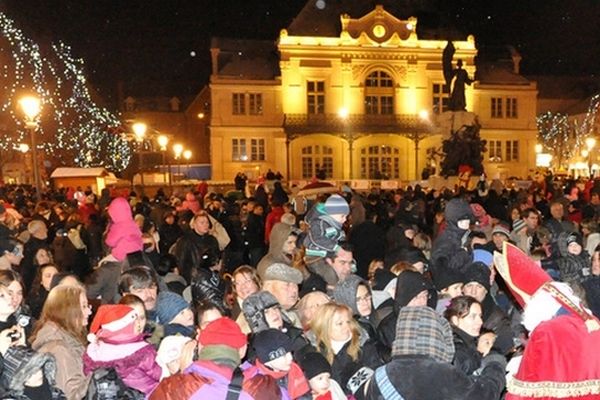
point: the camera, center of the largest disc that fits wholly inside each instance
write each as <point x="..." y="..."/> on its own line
<point x="23" y="320"/>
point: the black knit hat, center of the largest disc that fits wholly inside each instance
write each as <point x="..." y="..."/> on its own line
<point x="446" y="278"/>
<point x="478" y="272"/>
<point x="314" y="364"/>
<point x="271" y="344"/>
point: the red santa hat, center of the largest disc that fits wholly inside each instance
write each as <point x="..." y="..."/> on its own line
<point x="115" y="322"/>
<point x="526" y="277"/>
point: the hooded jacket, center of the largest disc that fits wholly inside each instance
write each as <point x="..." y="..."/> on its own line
<point x="448" y="248"/>
<point x="279" y="235"/>
<point x="345" y="293"/>
<point x="124" y="236"/>
<point x="422" y="352"/>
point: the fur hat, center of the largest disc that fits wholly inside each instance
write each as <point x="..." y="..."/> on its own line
<point x="283" y="272"/>
<point x="254" y="307"/>
<point x="271" y="344"/>
<point x="336" y="204"/>
<point x="113" y="321"/>
<point x="168" y="305"/>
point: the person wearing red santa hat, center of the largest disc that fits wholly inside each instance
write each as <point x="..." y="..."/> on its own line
<point x="117" y="341"/>
<point x="562" y="357"/>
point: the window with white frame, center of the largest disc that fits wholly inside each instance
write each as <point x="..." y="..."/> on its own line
<point x="512" y="150"/>
<point x="238" y="103"/>
<point x="315" y="97"/>
<point x="315" y="159"/>
<point x="380" y="162"/>
<point x="257" y="149"/>
<point x="239" y="151"/>
<point x="494" y="150"/>
<point x="511" y="107"/>
<point x="255" y="105"/>
<point x="440" y="97"/>
<point x="379" y="93"/>
<point x="496" y="107"/>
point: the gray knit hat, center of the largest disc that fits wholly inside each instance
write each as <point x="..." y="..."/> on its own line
<point x="336" y="204"/>
<point x="254" y="307"/>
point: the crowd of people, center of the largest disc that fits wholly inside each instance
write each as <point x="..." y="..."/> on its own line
<point x="406" y="294"/>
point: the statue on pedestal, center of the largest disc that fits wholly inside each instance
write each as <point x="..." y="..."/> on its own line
<point x="459" y="76"/>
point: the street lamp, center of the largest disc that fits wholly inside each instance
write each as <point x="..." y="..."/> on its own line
<point x="31" y="108"/>
<point x="139" y="130"/>
<point x="177" y="150"/>
<point x="187" y="154"/>
<point x="163" y="141"/>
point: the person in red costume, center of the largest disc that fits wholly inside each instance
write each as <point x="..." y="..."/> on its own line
<point x="562" y="357"/>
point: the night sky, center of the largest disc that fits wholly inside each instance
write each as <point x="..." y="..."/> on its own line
<point x="162" y="47"/>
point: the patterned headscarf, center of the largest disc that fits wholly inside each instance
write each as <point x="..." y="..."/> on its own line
<point x="421" y="331"/>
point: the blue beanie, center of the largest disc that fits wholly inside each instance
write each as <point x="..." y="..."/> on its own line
<point x="168" y="305"/>
<point x="336" y="204"/>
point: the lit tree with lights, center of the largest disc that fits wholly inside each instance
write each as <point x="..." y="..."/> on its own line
<point x="73" y="130"/>
<point x="564" y="138"/>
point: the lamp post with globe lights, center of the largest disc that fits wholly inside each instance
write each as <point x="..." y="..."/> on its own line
<point x="177" y="151"/>
<point x="187" y="154"/>
<point x="31" y="107"/>
<point x="163" y="141"/>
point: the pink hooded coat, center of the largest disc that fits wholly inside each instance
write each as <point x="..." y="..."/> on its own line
<point x="124" y="236"/>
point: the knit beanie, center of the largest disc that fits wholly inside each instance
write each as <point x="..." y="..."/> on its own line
<point x="446" y="278"/>
<point x="382" y="278"/>
<point x="484" y="256"/>
<point x="271" y="344"/>
<point x="254" y="307"/>
<point x="223" y="331"/>
<point x="574" y="237"/>
<point x="409" y="285"/>
<point x="478" y="272"/>
<point x="170" y="350"/>
<point x="501" y="229"/>
<point x="168" y="305"/>
<point x="113" y="321"/>
<point x="336" y="204"/>
<point x="518" y="225"/>
<point x="314" y="364"/>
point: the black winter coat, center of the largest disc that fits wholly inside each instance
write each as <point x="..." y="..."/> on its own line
<point x="420" y="377"/>
<point x="466" y="356"/>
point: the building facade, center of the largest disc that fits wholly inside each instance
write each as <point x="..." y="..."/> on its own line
<point x="360" y="97"/>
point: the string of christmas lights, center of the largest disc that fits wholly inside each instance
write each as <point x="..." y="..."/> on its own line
<point x="565" y="138"/>
<point x="71" y="127"/>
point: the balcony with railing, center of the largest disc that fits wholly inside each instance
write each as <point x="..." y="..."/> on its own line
<point x="299" y="124"/>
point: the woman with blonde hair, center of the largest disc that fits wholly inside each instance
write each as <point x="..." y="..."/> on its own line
<point x="61" y="331"/>
<point x="353" y="357"/>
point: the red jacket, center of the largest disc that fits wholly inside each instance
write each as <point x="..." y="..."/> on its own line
<point x="273" y="218"/>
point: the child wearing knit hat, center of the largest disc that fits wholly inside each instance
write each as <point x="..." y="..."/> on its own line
<point x="175" y="314"/>
<point x="274" y="359"/>
<point x="318" y="373"/>
<point x="325" y="226"/>
<point x="117" y="341"/>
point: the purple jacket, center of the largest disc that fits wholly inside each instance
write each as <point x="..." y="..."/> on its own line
<point x="135" y="363"/>
<point x="203" y="380"/>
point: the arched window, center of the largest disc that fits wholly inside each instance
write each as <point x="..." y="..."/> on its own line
<point x="317" y="159"/>
<point x="379" y="93"/>
<point x="380" y="162"/>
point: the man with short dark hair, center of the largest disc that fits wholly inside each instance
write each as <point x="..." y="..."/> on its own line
<point x="140" y="281"/>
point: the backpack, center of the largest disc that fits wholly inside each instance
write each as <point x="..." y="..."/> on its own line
<point x="107" y="385"/>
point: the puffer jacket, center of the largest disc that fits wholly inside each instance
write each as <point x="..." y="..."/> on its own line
<point x="124" y="236"/>
<point x="135" y="363"/>
<point x="68" y="353"/>
<point x="571" y="266"/>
